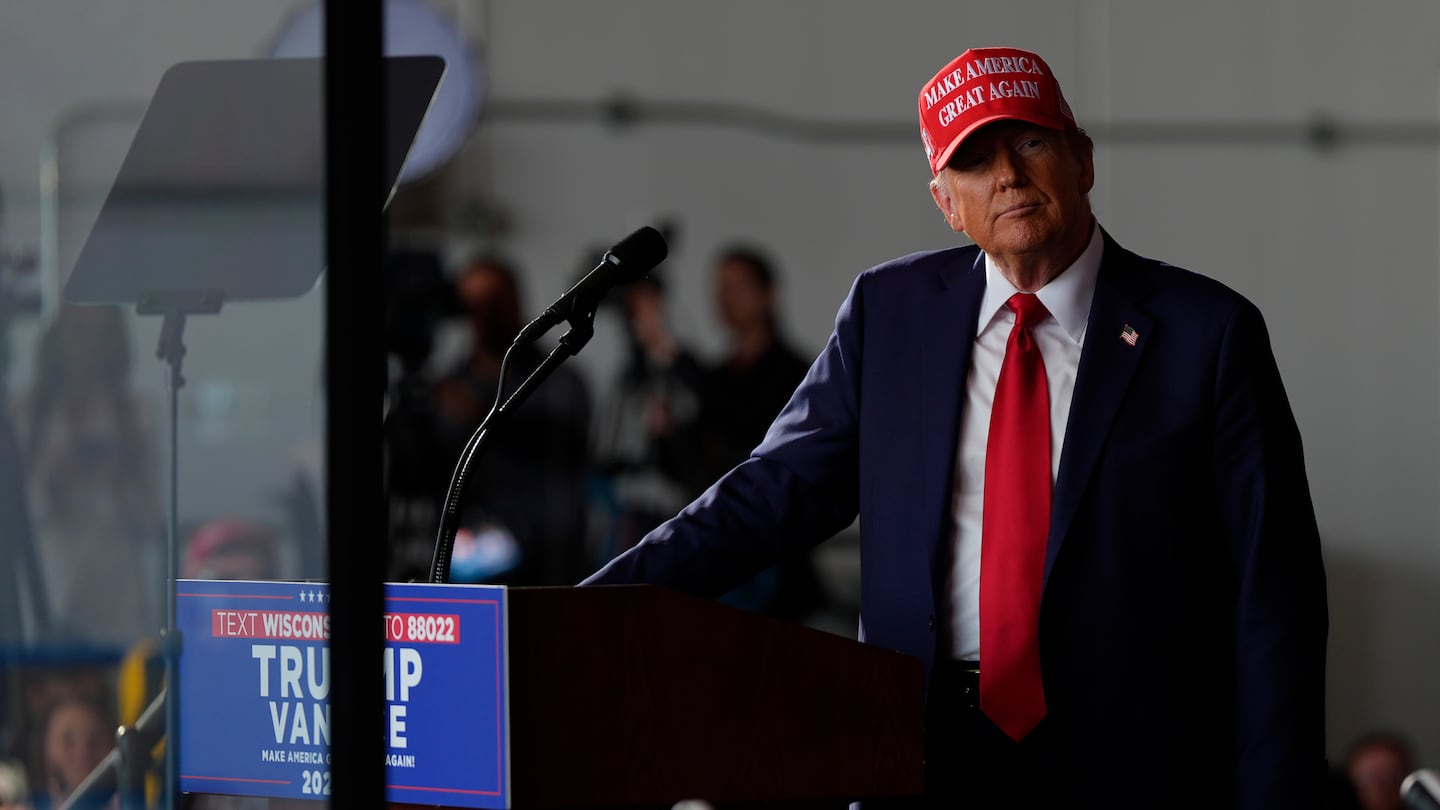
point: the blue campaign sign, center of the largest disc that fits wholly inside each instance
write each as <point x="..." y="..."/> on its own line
<point x="254" y="685"/>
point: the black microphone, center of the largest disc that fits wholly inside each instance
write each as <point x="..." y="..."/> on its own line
<point x="630" y="259"/>
<point x="1421" y="790"/>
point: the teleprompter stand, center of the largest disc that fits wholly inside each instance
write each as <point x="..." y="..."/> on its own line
<point x="220" y="198"/>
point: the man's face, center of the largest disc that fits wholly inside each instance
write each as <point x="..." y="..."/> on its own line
<point x="76" y="739"/>
<point x="742" y="298"/>
<point x="1377" y="773"/>
<point x="490" y="302"/>
<point x="1018" y="190"/>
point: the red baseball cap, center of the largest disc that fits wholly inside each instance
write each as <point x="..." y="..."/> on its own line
<point x="983" y="85"/>
<point x="224" y="535"/>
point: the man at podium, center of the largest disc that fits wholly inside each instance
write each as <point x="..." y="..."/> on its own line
<point x="1081" y="490"/>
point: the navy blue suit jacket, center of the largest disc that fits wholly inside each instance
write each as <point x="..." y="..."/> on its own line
<point x="1183" y="620"/>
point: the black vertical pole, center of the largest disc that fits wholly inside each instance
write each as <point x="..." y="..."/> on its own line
<point x="354" y="401"/>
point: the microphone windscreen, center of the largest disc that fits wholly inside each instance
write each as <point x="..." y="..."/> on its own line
<point x="638" y="253"/>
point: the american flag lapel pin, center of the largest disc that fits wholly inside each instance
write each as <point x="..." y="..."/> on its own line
<point x="1129" y="335"/>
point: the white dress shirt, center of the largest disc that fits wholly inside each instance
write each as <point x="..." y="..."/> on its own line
<point x="1060" y="338"/>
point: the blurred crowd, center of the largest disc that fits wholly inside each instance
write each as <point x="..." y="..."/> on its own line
<point x="577" y="475"/>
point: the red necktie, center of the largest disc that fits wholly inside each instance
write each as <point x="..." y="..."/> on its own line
<point x="1015" y="524"/>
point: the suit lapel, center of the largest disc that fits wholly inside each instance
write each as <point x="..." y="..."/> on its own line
<point x="1107" y="364"/>
<point x="945" y="365"/>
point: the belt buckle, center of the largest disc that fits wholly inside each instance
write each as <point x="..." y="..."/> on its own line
<point x="965" y="675"/>
<point x="970" y="686"/>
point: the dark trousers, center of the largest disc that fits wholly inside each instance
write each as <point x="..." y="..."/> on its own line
<point x="971" y="764"/>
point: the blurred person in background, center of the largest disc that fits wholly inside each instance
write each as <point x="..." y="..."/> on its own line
<point x="739" y="397"/>
<point x="647" y="421"/>
<point x="75" y="736"/>
<point x="34" y="690"/>
<point x="1377" y="764"/>
<point x="92" y="483"/>
<point x="528" y="482"/>
<point x="741" y="394"/>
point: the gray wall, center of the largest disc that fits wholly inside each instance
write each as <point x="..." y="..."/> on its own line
<point x="1338" y="246"/>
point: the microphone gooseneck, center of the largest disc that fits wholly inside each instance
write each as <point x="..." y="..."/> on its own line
<point x="630" y="259"/>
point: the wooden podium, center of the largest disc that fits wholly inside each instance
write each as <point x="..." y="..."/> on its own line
<point x="616" y="696"/>
<point x="637" y="695"/>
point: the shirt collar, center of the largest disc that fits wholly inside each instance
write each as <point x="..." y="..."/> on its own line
<point x="1067" y="296"/>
